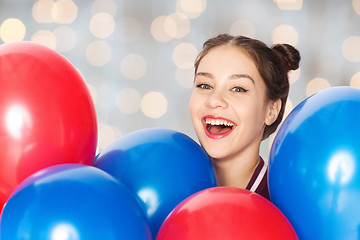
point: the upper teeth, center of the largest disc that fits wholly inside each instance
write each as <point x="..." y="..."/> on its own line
<point x="218" y="122"/>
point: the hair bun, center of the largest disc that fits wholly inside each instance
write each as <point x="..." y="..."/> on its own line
<point x="288" y="54"/>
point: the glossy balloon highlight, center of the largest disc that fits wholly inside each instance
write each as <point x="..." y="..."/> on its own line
<point x="73" y="201"/>
<point x="161" y="166"/>
<point x="47" y="115"/>
<point x="226" y="213"/>
<point x="314" y="168"/>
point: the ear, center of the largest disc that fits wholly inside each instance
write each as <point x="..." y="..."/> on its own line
<point x="273" y="111"/>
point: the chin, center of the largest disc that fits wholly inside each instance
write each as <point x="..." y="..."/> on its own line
<point x="219" y="154"/>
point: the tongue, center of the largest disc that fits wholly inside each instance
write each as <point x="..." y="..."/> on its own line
<point x="216" y="130"/>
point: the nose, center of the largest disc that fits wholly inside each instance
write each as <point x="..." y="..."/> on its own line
<point x="216" y="100"/>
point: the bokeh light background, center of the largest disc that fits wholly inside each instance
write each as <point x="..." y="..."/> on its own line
<point x="137" y="56"/>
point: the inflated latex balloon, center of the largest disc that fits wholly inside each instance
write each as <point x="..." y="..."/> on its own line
<point x="47" y="115"/>
<point x="314" y="168"/>
<point x="161" y="166"/>
<point x="226" y="213"/>
<point x="73" y="201"/>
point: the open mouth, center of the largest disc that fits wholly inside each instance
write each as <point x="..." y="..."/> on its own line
<point x="217" y="127"/>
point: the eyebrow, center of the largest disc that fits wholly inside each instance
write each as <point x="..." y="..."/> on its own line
<point x="205" y="74"/>
<point x="233" y="76"/>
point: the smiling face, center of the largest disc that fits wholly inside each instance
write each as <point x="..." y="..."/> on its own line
<point x="228" y="105"/>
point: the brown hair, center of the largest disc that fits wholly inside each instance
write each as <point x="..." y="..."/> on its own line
<point x="272" y="63"/>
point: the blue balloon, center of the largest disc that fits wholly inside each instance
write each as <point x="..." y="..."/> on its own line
<point x="73" y="201"/>
<point x="161" y="166"/>
<point x="314" y="166"/>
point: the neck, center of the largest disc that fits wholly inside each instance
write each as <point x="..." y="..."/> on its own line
<point x="236" y="171"/>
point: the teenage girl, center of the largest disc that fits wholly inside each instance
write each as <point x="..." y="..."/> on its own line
<point x="238" y="100"/>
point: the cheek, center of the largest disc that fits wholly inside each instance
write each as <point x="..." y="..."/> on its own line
<point x="251" y="112"/>
<point x="194" y="105"/>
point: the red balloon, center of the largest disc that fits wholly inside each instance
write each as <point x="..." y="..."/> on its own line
<point x="226" y="213"/>
<point x="47" y="116"/>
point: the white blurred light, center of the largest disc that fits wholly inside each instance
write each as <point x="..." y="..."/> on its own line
<point x="243" y="27"/>
<point x="107" y="135"/>
<point x="12" y="29"/>
<point x="185" y="77"/>
<point x="154" y="105"/>
<point x="191" y="8"/>
<point x="45" y="37"/>
<point x="170" y="27"/>
<point x="133" y="66"/>
<point x="128" y="100"/>
<point x="41" y="11"/>
<point x="98" y="53"/>
<point x="64" y="11"/>
<point x="356" y="6"/>
<point x="184" y="55"/>
<point x="285" y="34"/>
<point x="65" y="38"/>
<point x="106" y="6"/>
<point x="355" y="80"/>
<point x="289" y="4"/>
<point x="163" y="28"/>
<point x="102" y="25"/>
<point x="351" y="49"/>
<point x="316" y="85"/>
<point x="182" y="25"/>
